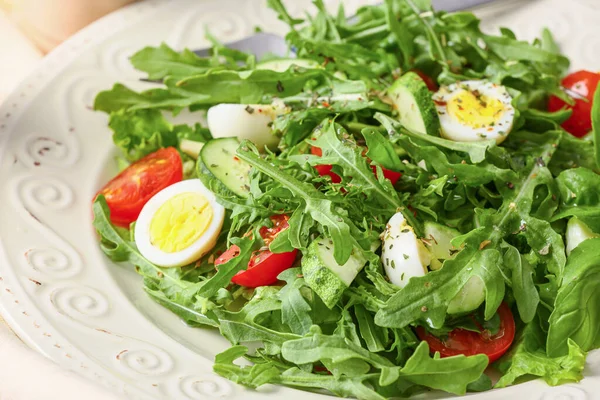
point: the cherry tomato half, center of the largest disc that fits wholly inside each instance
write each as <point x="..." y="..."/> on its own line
<point x="127" y="193"/>
<point x="323" y="170"/>
<point x="264" y="266"/>
<point x="581" y="86"/>
<point x="461" y="341"/>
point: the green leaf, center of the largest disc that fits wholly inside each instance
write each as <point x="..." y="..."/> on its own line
<point x="344" y="387"/>
<point x="162" y="61"/>
<point x="516" y="50"/>
<point x="140" y="133"/>
<point x="227" y="270"/>
<point x="373" y="335"/>
<point x="475" y="150"/>
<point x="524" y="289"/>
<point x="121" y="97"/>
<point x="450" y="374"/>
<point x="380" y="150"/>
<point x="580" y="196"/>
<point x="315" y="203"/>
<point x="323" y="347"/>
<point x="426" y="298"/>
<point x="576" y="314"/>
<point x="295" y="310"/>
<point x="528" y="357"/>
<point x="117" y="248"/>
<point x="401" y="33"/>
<point x="242" y="326"/>
<point x="254" y="376"/>
<point x="226" y="86"/>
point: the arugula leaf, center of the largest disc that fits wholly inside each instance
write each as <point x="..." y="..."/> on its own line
<point x="576" y="314"/>
<point x="580" y="196"/>
<point x="348" y="156"/>
<point x="358" y="386"/>
<point x="162" y="61"/>
<point x="113" y="244"/>
<point x="314" y="202"/>
<point x="226" y="86"/>
<point x="524" y="290"/>
<point x="528" y="357"/>
<point x="317" y="347"/>
<point x="253" y="377"/>
<point x="227" y="270"/>
<point x="380" y="150"/>
<point x="246" y="325"/>
<point x="475" y="150"/>
<point x="451" y="374"/>
<point x="426" y="298"/>
<point x="401" y="33"/>
<point x="121" y="97"/>
<point x="295" y="310"/>
<point x="373" y="335"/>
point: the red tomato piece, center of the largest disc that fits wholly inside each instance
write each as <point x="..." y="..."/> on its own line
<point x="461" y="341"/>
<point x="264" y="266"/>
<point x="127" y="193"/>
<point x="325" y="169"/>
<point x="431" y="85"/>
<point x="581" y="86"/>
<point x="393" y="176"/>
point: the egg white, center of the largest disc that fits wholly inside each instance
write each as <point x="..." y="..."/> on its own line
<point x="453" y="129"/>
<point x="245" y="121"/>
<point x="403" y="254"/>
<point x="198" y="248"/>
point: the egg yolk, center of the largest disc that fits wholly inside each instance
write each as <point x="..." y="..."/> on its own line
<point x="180" y="221"/>
<point x="475" y="110"/>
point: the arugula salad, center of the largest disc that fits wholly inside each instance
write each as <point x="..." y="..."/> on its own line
<point x="405" y="203"/>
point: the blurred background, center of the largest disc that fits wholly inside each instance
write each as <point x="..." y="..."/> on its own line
<point x="31" y="28"/>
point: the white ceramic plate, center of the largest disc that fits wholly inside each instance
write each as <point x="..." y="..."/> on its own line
<point x="57" y="290"/>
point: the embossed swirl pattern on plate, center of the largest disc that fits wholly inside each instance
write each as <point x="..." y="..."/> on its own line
<point x="55" y="258"/>
<point x="76" y="302"/>
<point x="40" y="150"/>
<point x="52" y="262"/>
<point x="145" y="361"/>
<point x="205" y="386"/>
<point x="44" y="193"/>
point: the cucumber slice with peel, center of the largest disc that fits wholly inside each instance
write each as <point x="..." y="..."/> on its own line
<point x="217" y="160"/>
<point x="412" y="100"/>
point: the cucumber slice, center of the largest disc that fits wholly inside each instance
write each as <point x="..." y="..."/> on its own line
<point x="469" y="298"/>
<point x="324" y="275"/>
<point x="283" y="64"/>
<point x="416" y="110"/>
<point x="217" y="159"/>
<point x="438" y="242"/>
<point x="191" y="147"/>
<point x="577" y="232"/>
<point x="439" y="238"/>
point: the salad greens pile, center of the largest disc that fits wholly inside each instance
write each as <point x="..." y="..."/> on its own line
<point x="510" y="202"/>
